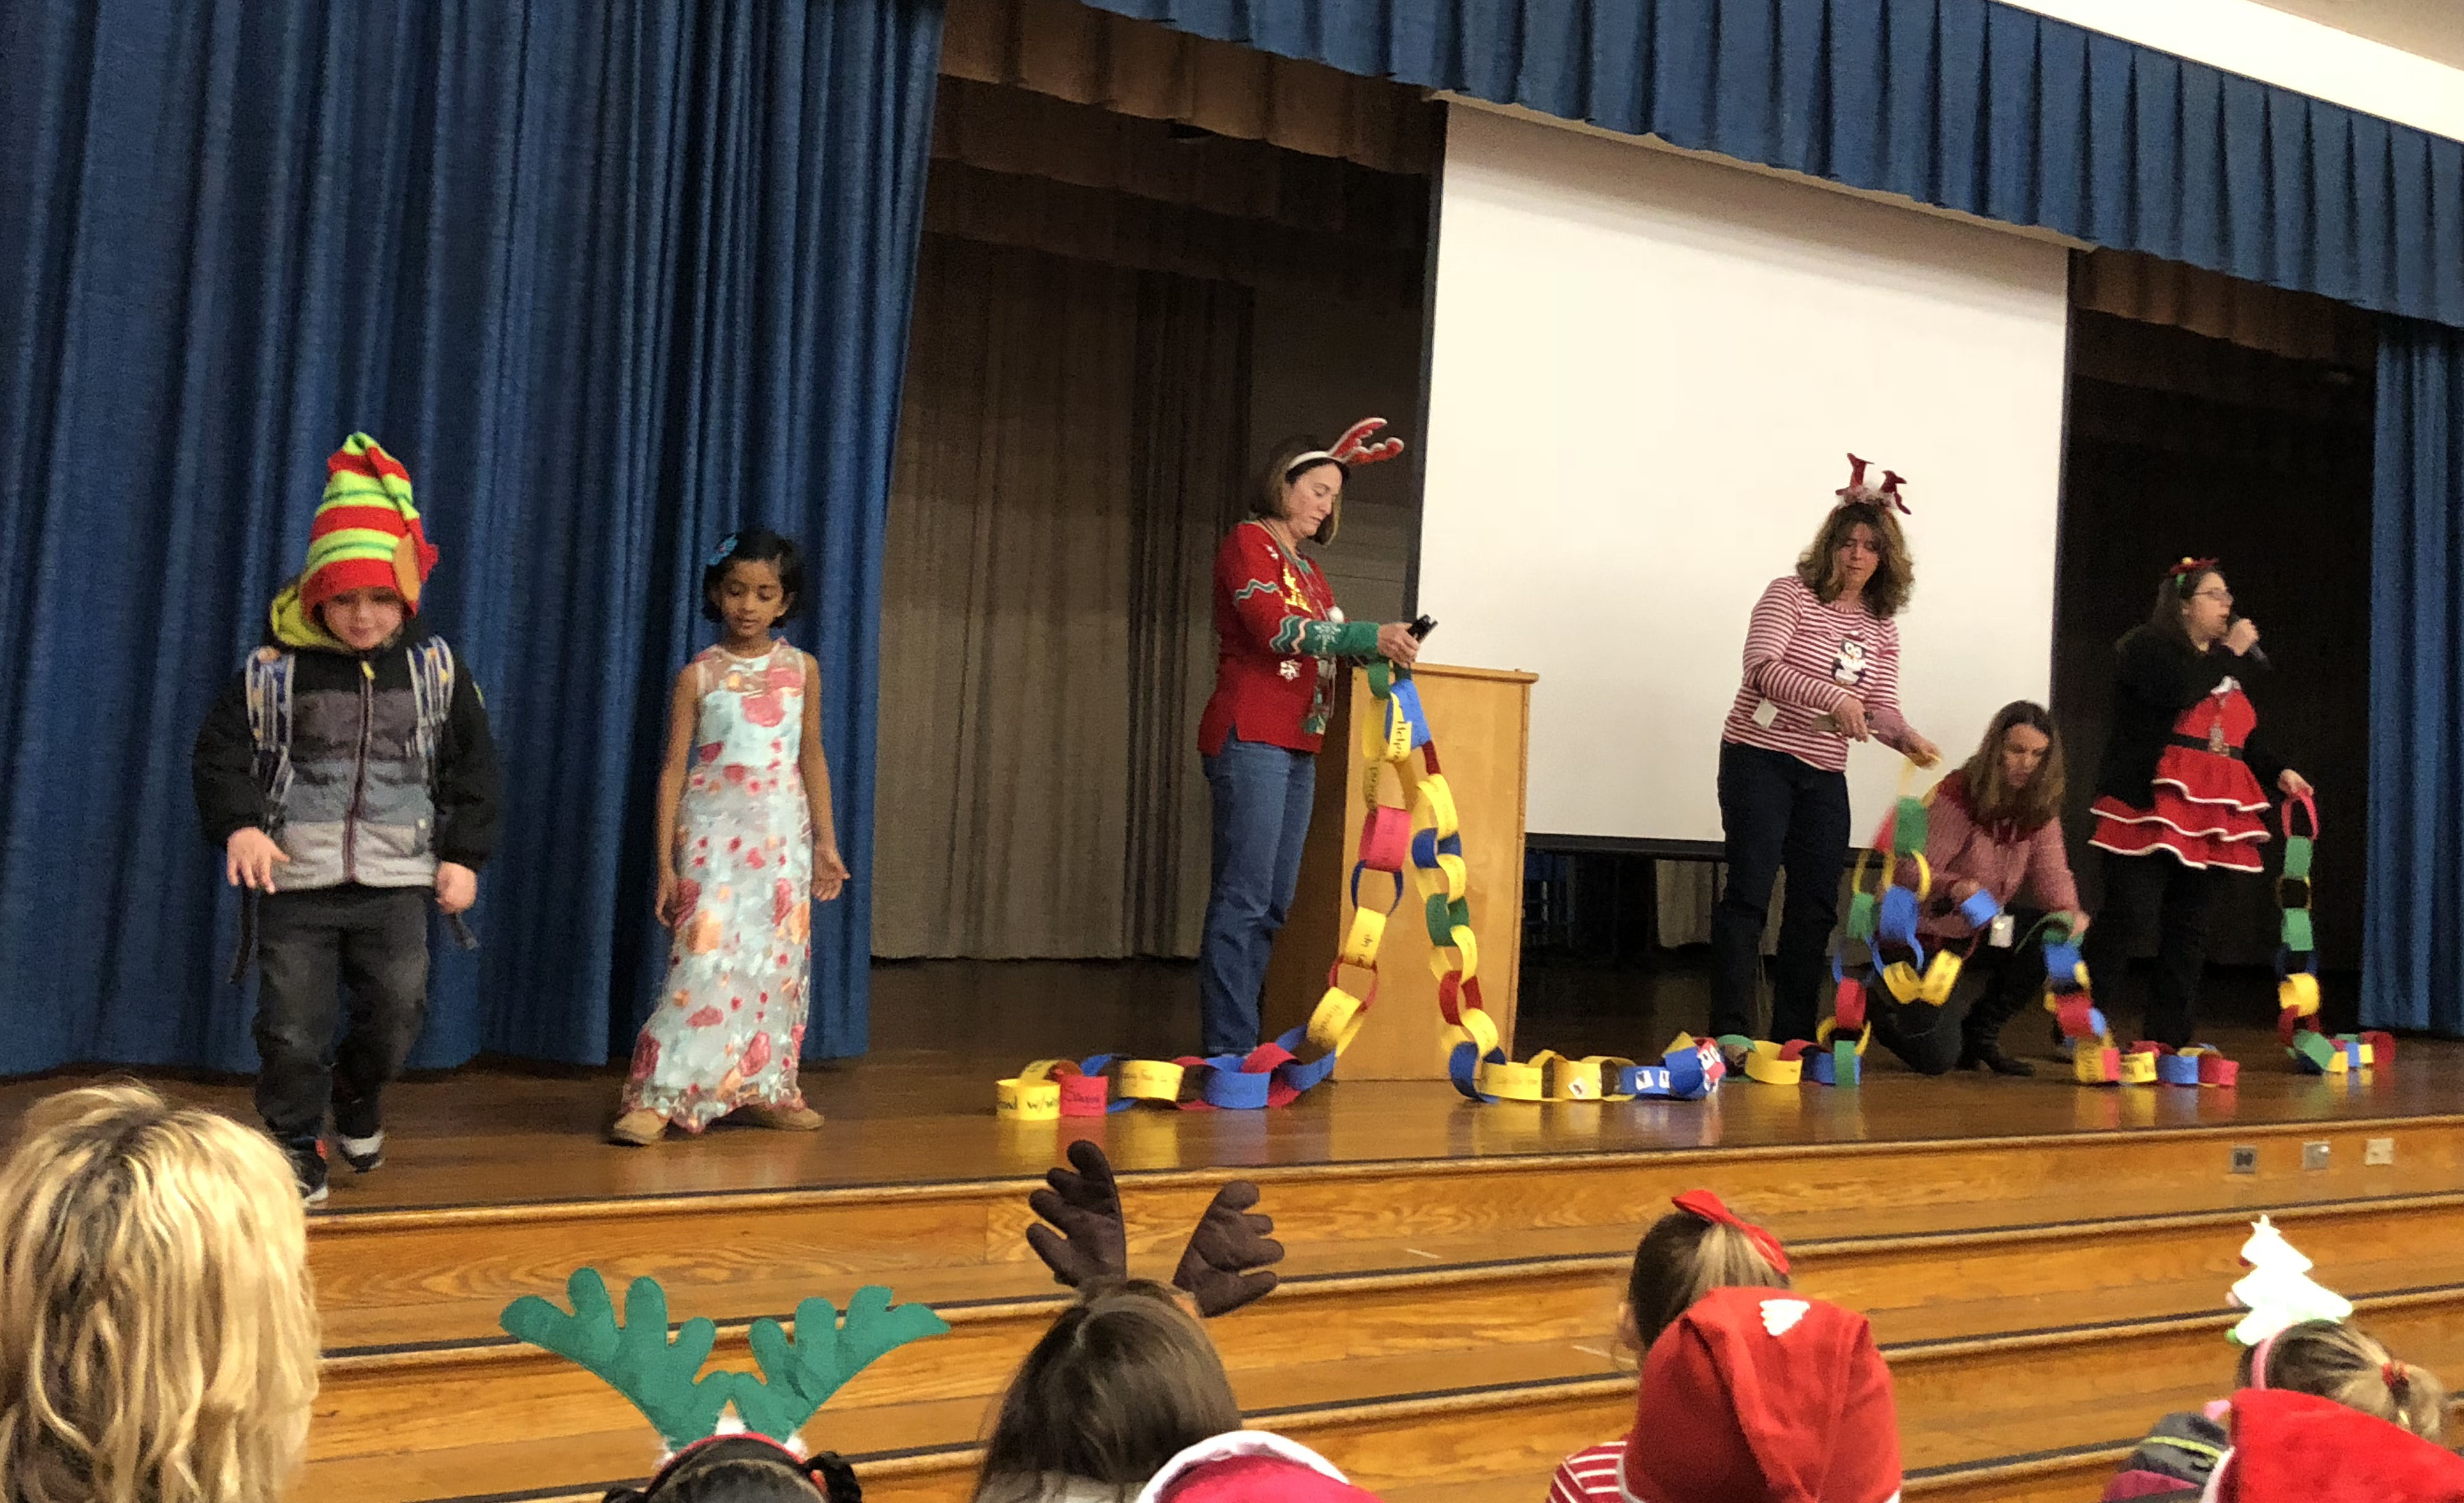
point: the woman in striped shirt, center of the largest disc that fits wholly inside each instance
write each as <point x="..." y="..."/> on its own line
<point x="1822" y="670"/>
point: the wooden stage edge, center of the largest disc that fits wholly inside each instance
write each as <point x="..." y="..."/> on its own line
<point x="919" y="1122"/>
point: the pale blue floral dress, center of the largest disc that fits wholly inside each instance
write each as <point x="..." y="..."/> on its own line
<point x="730" y="1028"/>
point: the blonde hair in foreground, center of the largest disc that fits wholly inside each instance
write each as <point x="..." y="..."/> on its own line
<point x="158" y="1340"/>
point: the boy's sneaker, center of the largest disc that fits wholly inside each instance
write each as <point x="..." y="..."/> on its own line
<point x="361" y="1153"/>
<point x="307" y="1157"/>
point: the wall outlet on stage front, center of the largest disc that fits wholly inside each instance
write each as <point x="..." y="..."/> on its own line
<point x="2245" y="1159"/>
<point x="2378" y="1151"/>
<point x="2314" y="1155"/>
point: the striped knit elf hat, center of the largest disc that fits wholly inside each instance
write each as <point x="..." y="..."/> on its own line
<point x="366" y="535"/>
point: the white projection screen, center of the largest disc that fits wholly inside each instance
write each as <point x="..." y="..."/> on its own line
<point x="1646" y="372"/>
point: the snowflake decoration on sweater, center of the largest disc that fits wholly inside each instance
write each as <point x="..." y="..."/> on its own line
<point x="2278" y="1290"/>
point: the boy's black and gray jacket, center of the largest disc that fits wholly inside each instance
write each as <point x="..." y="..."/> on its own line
<point x="364" y="799"/>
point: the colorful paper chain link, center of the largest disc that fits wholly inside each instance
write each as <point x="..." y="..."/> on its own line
<point x="1884" y="919"/>
<point x="1425" y="831"/>
<point x="2313" y="1051"/>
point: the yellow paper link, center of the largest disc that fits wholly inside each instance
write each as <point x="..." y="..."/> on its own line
<point x="1149" y="1080"/>
<point x="1830" y="1027"/>
<point x="1511" y="1081"/>
<point x="1042" y="1069"/>
<point x="1336" y="1020"/>
<point x="1480" y="1028"/>
<point x="1434" y="808"/>
<point x="2139" y="1069"/>
<point x="1941" y="978"/>
<point x="1431" y="881"/>
<point x="1903" y="981"/>
<point x="1399" y="731"/>
<point x="1924" y="876"/>
<point x="2299" y="994"/>
<point x="1024" y="1101"/>
<point x="1579" y="1079"/>
<point x="1612" y="1068"/>
<point x="1458" y="875"/>
<point x="1368" y="933"/>
<point x="1765" y="1065"/>
<point x="1461" y="957"/>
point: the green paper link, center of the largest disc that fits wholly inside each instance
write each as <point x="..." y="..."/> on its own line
<point x="1861" y="916"/>
<point x="1439" y="920"/>
<point x="2297" y="935"/>
<point x="1909" y="829"/>
<point x="2298" y="851"/>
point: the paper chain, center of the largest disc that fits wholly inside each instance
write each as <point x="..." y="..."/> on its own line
<point x="1423" y="832"/>
<point x="2296" y="966"/>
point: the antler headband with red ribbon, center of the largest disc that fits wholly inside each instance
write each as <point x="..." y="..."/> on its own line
<point x="1887" y="494"/>
<point x="2188" y="572"/>
<point x="1354" y="448"/>
<point x="1710" y="1207"/>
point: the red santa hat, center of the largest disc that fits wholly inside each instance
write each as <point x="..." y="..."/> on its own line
<point x="1250" y="1467"/>
<point x="2296" y="1447"/>
<point x="1758" y="1395"/>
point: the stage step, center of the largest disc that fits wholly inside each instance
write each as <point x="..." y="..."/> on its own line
<point x="401" y="1277"/>
<point x="2127" y="1307"/>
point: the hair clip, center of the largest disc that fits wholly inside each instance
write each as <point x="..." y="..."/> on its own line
<point x="1857" y="492"/>
<point x="2395" y="1375"/>
<point x="719" y="555"/>
<point x="1710" y="1207"/>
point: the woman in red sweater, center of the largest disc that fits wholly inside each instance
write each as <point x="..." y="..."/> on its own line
<point x="1994" y="826"/>
<point x="1822" y="670"/>
<point x="1279" y="637"/>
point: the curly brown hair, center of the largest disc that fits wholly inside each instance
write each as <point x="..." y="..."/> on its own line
<point x="1894" y="576"/>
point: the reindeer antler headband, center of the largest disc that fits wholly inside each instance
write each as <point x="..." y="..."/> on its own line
<point x="2188" y="572"/>
<point x="658" y="1376"/>
<point x="1859" y="490"/>
<point x="1228" y="1262"/>
<point x="1352" y="450"/>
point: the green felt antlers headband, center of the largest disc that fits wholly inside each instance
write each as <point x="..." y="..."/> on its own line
<point x="662" y="1378"/>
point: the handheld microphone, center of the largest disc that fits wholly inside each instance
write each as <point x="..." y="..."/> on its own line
<point x="1421" y="628"/>
<point x="2257" y="655"/>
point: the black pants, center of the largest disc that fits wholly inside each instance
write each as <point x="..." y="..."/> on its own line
<point x="2153" y="890"/>
<point x="1779" y="814"/>
<point x="1999" y="982"/>
<point x="372" y="941"/>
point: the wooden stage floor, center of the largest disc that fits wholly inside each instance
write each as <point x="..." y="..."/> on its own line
<point x="918" y="1111"/>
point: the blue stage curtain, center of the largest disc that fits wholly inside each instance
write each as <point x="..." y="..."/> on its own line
<point x="1963" y="103"/>
<point x="2412" y="926"/>
<point x="612" y="276"/>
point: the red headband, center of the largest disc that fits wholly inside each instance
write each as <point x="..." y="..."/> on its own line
<point x="1887" y="494"/>
<point x="1710" y="1207"/>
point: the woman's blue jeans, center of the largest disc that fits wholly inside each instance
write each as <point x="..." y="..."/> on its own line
<point x="1262" y="797"/>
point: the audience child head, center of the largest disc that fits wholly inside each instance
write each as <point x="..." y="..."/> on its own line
<point x="745" y="1469"/>
<point x="1698" y="1246"/>
<point x="158" y="1337"/>
<point x="1123" y="1382"/>
<point x="1755" y="1396"/>
<point x="2335" y="1360"/>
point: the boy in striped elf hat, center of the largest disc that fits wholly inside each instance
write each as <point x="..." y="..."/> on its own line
<point x="348" y="775"/>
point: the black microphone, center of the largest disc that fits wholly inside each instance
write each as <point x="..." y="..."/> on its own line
<point x="2257" y="655"/>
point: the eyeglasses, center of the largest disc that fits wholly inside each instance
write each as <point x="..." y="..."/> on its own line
<point x="2224" y="595"/>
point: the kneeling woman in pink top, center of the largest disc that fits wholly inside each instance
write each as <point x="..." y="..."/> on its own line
<point x="1996" y="827"/>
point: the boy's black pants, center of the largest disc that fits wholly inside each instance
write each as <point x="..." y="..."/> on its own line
<point x="312" y="946"/>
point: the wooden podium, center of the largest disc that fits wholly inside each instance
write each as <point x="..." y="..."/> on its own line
<point x="1480" y="718"/>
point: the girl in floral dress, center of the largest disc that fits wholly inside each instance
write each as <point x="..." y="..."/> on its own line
<point x="746" y="845"/>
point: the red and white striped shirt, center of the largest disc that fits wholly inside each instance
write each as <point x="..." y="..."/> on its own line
<point x="1803" y="657"/>
<point x="1590" y="1475"/>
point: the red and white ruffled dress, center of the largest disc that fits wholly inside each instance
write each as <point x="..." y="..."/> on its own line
<point x="2207" y="802"/>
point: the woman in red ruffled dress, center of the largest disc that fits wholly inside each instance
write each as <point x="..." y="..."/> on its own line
<point x="2181" y="792"/>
